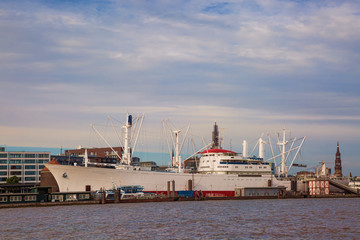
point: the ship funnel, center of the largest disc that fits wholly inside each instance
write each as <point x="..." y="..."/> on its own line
<point x="261" y="148"/>
<point x="245" y="149"/>
<point x="130" y="120"/>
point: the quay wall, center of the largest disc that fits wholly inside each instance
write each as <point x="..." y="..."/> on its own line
<point x="48" y="204"/>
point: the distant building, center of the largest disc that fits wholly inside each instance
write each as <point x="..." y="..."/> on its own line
<point x="95" y="155"/>
<point x="305" y="174"/>
<point x="338" y="169"/>
<point x="149" y="166"/>
<point x="96" y="152"/>
<point x="68" y="160"/>
<point x="191" y="164"/>
<point x="47" y="179"/>
<point x="215" y="138"/>
<point x="26" y="166"/>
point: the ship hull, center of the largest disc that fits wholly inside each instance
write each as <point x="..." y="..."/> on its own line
<point x="76" y="178"/>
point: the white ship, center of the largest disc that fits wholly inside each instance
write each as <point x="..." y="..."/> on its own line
<point x="219" y="173"/>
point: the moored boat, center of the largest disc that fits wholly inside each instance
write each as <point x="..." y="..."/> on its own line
<point x="219" y="172"/>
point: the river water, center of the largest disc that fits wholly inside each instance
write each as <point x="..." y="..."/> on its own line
<point x="337" y="218"/>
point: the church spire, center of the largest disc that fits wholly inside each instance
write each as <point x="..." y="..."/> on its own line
<point x="215" y="137"/>
<point x="338" y="169"/>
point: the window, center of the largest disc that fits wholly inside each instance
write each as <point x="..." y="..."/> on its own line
<point x="3" y="199"/>
<point x="15" y="173"/>
<point x="15" y="155"/>
<point x="14" y="161"/>
<point x="40" y="161"/>
<point x="3" y="167"/>
<point x="3" y="161"/>
<point x="29" y="155"/>
<point x="30" y="173"/>
<point x="30" y="167"/>
<point x="41" y="166"/>
<point x="15" y="198"/>
<point x="15" y="167"/>
<point x="3" y="173"/>
<point x="29" y="161"/>
<point x="30" y="179"/>
<point x="30" y="198"/>
<point x="3" y="155"/>
<point x="71" y="197"/>
<point x="84" y="196"/>
<point x="57" y="198"/>
<point x="43" y="155"/>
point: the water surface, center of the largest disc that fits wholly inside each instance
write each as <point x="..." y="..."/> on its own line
<point x="235" y="219"/>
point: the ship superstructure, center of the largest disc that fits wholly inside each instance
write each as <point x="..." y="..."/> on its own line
<point x="221" y="161"/>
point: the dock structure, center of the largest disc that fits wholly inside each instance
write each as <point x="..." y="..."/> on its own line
<point x="347" y="189"/>
<point x="321" y="186"/>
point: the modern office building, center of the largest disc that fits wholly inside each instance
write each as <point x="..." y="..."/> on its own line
<point x="26" y="166"/>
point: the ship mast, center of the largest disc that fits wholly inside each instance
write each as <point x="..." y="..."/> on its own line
<point x="176" y="160"/>
<point x="127" y="151"/>
<point x="283" y="151"/>
<point x="177" y="153"/>
<point x="261" y="148"/>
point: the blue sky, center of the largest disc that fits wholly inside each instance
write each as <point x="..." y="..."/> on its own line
<point x="253" y="66"/>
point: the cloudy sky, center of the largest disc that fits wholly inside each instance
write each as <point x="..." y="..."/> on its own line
<point x="252" y="66"/>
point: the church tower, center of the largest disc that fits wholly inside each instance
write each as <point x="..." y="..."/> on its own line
<point x="338" y="171"/>
<point x="215" y="137"/>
